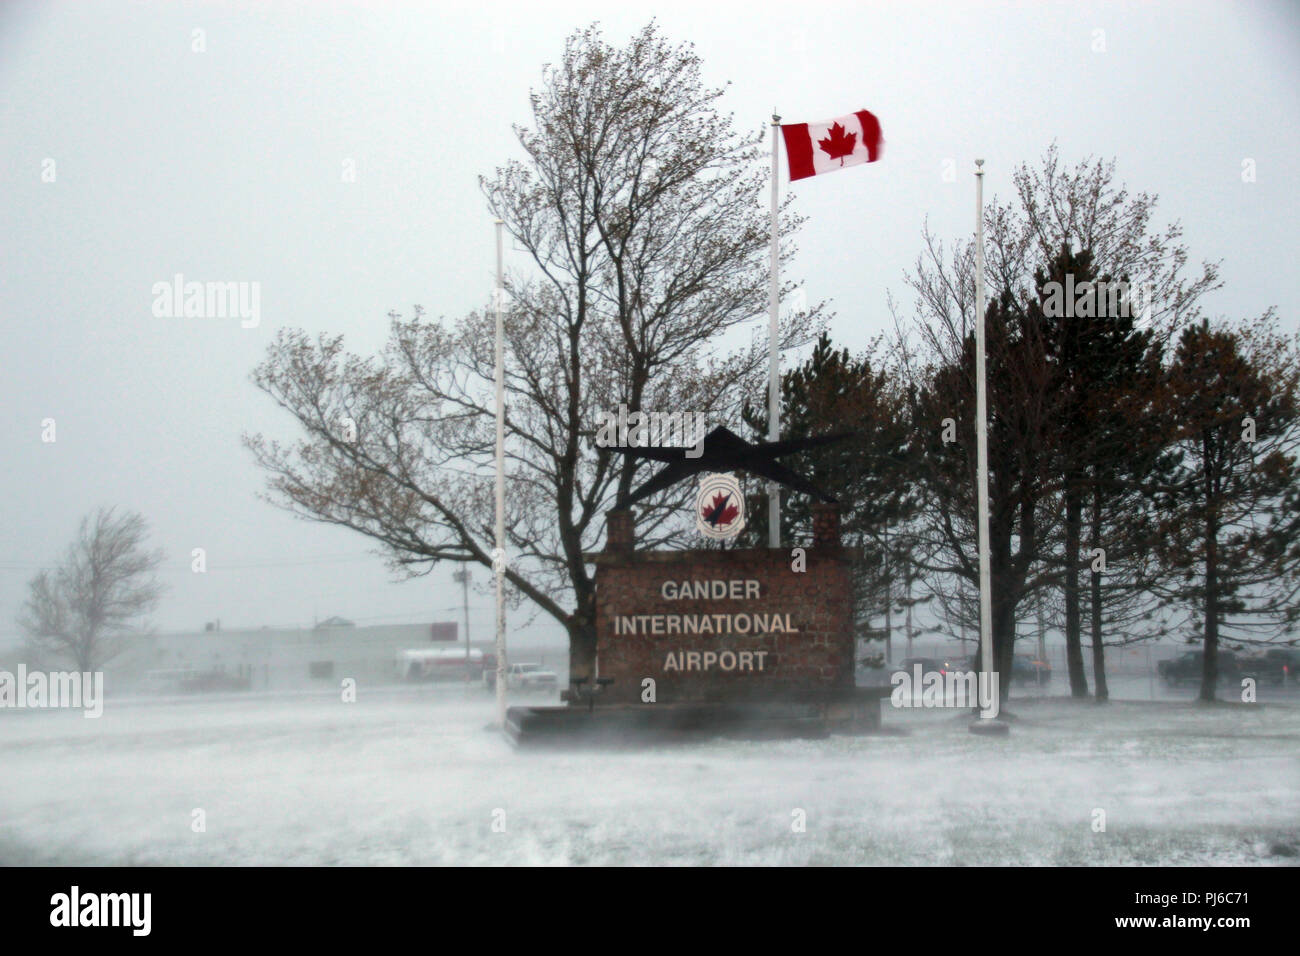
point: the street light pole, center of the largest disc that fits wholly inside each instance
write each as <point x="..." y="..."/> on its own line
<point x="985" y="721"/>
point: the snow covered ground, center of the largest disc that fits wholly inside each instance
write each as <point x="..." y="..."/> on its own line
<point x="414" y="776"/>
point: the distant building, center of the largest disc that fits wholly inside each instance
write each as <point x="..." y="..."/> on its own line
<point x="336" y="622"/>
<point x="275" y="658"/>
<point x="444" y="632"/>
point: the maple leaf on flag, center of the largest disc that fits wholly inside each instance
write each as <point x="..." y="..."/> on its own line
<point x="838" y="145"/>
<point x="719" y="512"/>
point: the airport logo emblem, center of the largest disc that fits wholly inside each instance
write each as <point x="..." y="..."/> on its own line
<point x="719" y="506"/>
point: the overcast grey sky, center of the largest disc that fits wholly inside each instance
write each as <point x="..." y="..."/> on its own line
<point x="226" y="164"/>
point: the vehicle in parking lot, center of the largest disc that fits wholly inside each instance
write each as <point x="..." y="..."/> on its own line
<point x="1277" y="665"/>
<point x="1030" y="670"/>
<point x="1189" y="666"/>
<point x="444" y="663"/>
<point x="524" y="677"/>
<point x="928" y="665"/>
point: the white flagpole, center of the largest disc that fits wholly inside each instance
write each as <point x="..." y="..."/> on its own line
<point x="498" y="559"/>
<point x="774" y="361"/>
<point x="982" y="446"/>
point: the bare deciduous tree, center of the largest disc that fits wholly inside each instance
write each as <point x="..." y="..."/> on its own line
<point x="87" y="607"/>
<point x="641" y="210"/>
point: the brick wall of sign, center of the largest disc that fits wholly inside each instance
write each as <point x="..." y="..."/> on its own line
<point x="773" y="633"/>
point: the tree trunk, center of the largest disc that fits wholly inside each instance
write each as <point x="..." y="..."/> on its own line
<point x="84" y="652"/>
<point x="908" y="598"/>
<point x="1073" y="641"/>
<point x="889" y="623"/>
<point x="1098" y="648"/>
<point x="582" y="639"/>
<point x="1210" y="674"/>
<point x="1004" y="640"/>
<point x="1002" y="607"/>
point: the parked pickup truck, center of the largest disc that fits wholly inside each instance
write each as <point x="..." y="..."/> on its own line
<point x="524" y="677"/>
<point x="1189" y="666"/>
<point x="1277" y="665"/>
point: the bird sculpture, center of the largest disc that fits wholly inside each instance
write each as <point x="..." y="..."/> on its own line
<point x="724" y="450"/>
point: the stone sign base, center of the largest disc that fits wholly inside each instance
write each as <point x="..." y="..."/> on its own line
<point x="633" y="725"/>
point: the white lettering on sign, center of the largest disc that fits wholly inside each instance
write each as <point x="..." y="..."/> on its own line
<point x="742" y="623"/>
<point x="709" y="590"/>
<point x="715" y="660"/>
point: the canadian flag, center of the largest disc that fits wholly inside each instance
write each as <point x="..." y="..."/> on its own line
<point x="814" y="148"/>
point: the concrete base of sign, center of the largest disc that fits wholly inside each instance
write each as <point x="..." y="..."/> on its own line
<point x="618" y="726"/>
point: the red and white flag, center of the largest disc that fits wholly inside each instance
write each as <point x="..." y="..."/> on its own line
<point x="814" y="148"/>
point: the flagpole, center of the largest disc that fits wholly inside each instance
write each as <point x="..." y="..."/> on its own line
<point x="774" y="362"/>
<point x="982" y="453"/>
<point x="498" y="558"/>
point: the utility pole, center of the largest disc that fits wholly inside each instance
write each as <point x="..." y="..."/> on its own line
<point x="462" y="578"/>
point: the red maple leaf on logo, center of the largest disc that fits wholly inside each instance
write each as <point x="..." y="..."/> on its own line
<point x="718" y="512"/>
<point x="838" y="144"/>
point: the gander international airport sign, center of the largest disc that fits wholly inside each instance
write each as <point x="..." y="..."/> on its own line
<point x="723" y="625"/>
<point x="711" y="625"/>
